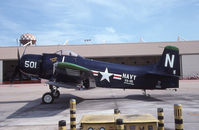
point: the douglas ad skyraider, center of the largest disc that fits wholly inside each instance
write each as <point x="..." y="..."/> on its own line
<point x="63" y="68"/>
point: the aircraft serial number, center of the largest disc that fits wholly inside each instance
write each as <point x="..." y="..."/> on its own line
<point x="30" y="64"/>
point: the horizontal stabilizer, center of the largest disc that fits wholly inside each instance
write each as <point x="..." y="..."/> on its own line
<point x="162" y="74"/>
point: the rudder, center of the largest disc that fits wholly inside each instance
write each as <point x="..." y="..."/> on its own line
<point x="169" y="62"/>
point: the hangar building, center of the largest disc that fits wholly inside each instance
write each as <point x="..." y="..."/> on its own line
<point x="144" y="53"/>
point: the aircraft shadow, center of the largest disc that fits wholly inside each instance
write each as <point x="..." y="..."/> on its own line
<point x="143" y="98"/>
<point x="131" y="97"/>
<point x="7" y="102"/>
<point x="36" y="109"/>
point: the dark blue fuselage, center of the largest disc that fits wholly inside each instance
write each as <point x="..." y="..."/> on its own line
<point x="123" y="76"/>
<point x="105" y="74"/>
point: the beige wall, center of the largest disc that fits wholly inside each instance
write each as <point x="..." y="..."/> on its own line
<point x="106" y="50"/>
<point x="190" y="65"/>
<point x="133" y="60"/>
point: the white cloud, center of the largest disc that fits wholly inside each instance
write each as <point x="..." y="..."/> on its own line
<point x="8" y="24"/>
<point x="139" y="10"/>
<point x="68" y="10"/>
<point x="109" y="35"/>
<point x="112" y="38"/>
<point x="110" y="29"/>
<point x="54" y="22"/>
<point x="57" y="37"/>
<point x="7" y="41"/>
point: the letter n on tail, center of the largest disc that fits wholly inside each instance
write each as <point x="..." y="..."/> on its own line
<point x="169" y="60"/>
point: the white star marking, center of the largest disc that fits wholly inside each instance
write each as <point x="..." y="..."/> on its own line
<point x="105" y="75"/>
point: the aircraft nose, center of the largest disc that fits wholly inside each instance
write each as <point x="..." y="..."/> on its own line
<point x="30" y="64"/>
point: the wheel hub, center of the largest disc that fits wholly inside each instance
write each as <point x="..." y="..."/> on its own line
<point x="47" y="98"/>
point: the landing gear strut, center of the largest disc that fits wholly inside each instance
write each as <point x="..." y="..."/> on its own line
<point x="145" y="94"/>
<point x="49" y="97"/>
<point x="54" y="90"/>
<point x="86" y="83"/>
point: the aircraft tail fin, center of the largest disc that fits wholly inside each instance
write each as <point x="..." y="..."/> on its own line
<point x="169" y="63"/>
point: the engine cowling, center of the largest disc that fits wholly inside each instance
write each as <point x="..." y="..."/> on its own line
<point x="31" y="64"/>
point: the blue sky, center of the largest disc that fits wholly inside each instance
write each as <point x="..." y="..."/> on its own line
<point x="103" y="21"/>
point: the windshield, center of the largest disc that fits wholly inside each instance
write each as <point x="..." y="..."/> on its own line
<point x="67" y="52"/>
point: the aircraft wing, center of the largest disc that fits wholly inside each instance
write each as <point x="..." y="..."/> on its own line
<point x="67" y="65"/>
<point x="60" y="84"/>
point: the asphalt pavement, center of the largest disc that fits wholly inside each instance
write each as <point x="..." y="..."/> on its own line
<point x="21" y="107"/>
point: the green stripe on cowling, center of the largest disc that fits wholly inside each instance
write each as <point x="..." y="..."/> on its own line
<point x="71" y="66"/>
<point x="172" y="48"/>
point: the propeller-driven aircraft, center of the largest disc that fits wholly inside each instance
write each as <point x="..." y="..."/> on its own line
<point x="66" y="67"/>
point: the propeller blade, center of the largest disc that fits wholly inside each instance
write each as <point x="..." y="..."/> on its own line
<point x="14" y="74"/>
<point x="18" y="56"/>
<point x="20" y="76"/>
<point x="17" y="69"/>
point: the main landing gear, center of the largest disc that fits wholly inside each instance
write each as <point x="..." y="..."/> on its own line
<point x="145" y="94"/>
<point x="49" y="97"/>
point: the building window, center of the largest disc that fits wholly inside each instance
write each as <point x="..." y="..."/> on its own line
<point x="90" y="128"/>
<point x="141" y="127"/>
<point x="102" y="128"/>
<point x="132" y="127"/>
<point x="150" y="127"/>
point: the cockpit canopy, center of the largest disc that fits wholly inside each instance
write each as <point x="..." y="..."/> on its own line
<point x="67" y="52"/>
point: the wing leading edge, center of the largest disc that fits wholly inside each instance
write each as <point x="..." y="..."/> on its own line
<point x="67" y="65"/>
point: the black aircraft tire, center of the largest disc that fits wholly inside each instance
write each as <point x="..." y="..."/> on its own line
<point x="47" y="98"/>
<point x="56" y="94"/>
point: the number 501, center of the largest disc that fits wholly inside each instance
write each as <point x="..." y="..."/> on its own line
<point x="30" y="64"/>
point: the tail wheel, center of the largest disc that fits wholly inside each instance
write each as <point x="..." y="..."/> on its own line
<point x="47" y="98"/>
<point x="56" y="93"/>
